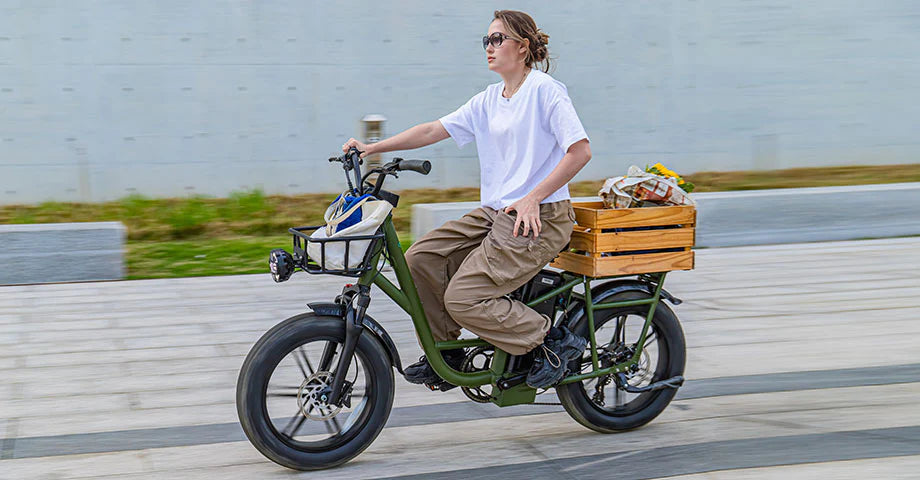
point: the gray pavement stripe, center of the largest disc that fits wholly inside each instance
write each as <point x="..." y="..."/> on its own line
<point x="790" y="381"/>
<point x="138" y="439"/>
<point x="708" y="456"/>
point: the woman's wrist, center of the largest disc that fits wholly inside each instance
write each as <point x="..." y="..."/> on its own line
<point x="371" y="148"/>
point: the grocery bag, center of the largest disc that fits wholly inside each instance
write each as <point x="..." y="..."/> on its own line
<point x="347" y="216"/>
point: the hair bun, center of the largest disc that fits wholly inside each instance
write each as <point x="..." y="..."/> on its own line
<point x="542" y="37"/>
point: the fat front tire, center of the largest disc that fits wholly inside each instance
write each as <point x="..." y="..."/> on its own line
<point x="295" y="359"/>
<point x="597" y="403"/>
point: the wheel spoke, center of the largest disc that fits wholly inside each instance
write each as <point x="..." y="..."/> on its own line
<point x="306" y="360"/>
<point x="335" y="422"/>
<point x="297" y="422"/>
<point x="284" y="392"/>
<point x="329" y="352"/>
<point x="618" y="332"/>
<point x="648" y="340"/>
<point x="300" y="364"/>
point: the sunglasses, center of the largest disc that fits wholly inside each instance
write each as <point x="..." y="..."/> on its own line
<point x="495" y="39"/>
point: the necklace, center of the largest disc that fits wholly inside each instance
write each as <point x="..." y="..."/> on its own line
<point x="518" y="85"/>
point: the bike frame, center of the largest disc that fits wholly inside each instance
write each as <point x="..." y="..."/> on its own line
<point x="406" y="296"/>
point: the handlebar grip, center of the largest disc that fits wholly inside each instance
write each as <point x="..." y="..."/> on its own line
<point x="420" y="166"/>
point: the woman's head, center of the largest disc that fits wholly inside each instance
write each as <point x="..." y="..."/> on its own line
<point x="514" y="41"/>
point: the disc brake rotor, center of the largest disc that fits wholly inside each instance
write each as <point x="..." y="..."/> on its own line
<point x="309" y="398"/>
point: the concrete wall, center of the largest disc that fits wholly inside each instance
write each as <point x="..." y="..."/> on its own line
<point x="764" y="217"/>
<point x="62" y="252"/>
<point x="101" y="99"/>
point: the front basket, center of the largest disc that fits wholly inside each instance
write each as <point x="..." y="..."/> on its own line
<point x="318" y="265"/>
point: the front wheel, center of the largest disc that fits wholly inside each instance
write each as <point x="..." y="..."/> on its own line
<point x="598" y="403"/>
<point x="276" y="394"/>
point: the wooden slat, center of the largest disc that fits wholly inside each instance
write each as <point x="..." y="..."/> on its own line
<point x="593" y="215"/>
<point x="570" y="262"/>
<point x="630" y="241"/>
<point x="625" y="264"/>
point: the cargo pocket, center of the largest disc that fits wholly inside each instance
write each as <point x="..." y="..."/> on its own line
<point x="557" y="230"/>
<point x="512" y="259"/>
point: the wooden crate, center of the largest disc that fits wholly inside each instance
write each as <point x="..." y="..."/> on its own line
<point x="629" y="250"/>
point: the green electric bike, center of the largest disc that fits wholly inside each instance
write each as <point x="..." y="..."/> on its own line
<point x="317" y="389"/>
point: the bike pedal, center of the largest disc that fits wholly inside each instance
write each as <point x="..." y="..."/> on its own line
<point x="441" y="386"/>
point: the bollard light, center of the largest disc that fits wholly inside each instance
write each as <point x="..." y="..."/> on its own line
<point x="373" y="133"/>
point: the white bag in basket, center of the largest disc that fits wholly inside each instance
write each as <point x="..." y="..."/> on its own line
<point x="372" y="214"/>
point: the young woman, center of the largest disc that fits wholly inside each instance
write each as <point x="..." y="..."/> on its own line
<point x="530" y="144"/>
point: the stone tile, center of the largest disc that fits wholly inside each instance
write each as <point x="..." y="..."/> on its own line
<point x="57" y="372"/>
<point x="74" y="466"/>
<point x="889" y="468"/>
<point x="7" y="340"/>
<point x="211" y="338"/>
<point x="62" y="407"/>
<point x="118" y="333"/>
<point x="803" y="355"/>
<point x="189" y="365"/>
<point x="59" y="347"/>
<point x="9" y="318"/>
<point x="119" y="356"/>
<point x="123" y="384"/>
<point x="8" y="391"/>
<point x="188" y="397"/>
<point x="63" y="326"/>
<point x="128" y="420"/>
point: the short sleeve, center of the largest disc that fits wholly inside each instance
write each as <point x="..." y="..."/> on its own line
<point x="563" y="121"/>
<point x="460" y="123"/>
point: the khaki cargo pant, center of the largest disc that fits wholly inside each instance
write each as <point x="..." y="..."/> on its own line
<point x="464" y="269"/>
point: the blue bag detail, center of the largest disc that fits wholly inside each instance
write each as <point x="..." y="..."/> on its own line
<point x="355" y="217"/>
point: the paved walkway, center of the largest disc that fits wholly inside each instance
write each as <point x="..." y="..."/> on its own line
<point x="803" y="360"/>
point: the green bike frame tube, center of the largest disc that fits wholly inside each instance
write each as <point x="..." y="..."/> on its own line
<point x="624" y="366"/>
<point x="406" y="296"/>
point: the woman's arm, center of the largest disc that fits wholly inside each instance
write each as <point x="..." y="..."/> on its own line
<point x="421" y="135"/>
<point x="528" y="208"/>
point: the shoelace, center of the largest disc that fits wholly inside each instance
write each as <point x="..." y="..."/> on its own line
<point x="547" y="353"/>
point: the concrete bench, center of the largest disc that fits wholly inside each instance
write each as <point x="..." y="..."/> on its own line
<point x="761" y="217"/>
<point x="61" y="252"/>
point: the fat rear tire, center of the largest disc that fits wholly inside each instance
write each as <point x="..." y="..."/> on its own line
<point x="670" y="345"/>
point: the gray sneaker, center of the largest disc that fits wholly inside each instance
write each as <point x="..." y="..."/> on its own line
<point x="421" y="372"/>
<point x="552" y="358"/>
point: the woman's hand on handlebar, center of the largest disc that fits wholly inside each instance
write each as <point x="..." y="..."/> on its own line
<point x="362" y="147"/>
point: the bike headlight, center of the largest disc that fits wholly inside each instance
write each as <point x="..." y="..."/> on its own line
<point x="281" y="264"/>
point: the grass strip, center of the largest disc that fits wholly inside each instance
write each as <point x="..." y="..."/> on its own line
<point x="196" y="236"/>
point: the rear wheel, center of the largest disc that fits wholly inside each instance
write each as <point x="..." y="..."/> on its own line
<point x="598" y="403"/>
<point x="278" y="399"/>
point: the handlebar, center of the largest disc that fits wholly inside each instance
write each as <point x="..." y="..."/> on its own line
<point x="420" y="166"/>
<point x="351" y="161"/>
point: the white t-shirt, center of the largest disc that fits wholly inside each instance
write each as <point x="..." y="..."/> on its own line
<point x="520" y="140"/>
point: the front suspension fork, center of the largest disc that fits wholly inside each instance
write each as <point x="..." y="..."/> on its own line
<point x="356" y="299"/>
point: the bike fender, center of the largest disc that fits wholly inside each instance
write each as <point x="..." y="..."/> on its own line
<point x="369" y="324"/>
